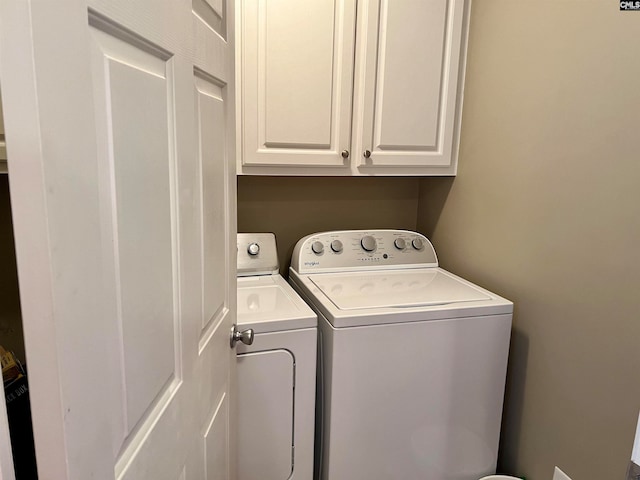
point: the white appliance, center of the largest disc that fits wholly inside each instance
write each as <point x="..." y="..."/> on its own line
<point x="413" y="358"/>
<point x="277" y="372"/>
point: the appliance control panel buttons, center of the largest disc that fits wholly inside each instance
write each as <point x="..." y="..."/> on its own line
<point x="362" y="250"/>
<point x="256" y="254"/>
<point x="253" y="249"/>
<point x="336" y="246"/>
<point x="317" y="247"/>
<point x="368" y="243"/>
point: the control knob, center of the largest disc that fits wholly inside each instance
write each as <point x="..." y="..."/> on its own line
<point x="336" y="246"/>
<point x="400" y="243"/>
<point x="253" y="249"/>
<point x="368" y="243"/>
<point x="417" y="243"/>
<point x="317" y="247"/>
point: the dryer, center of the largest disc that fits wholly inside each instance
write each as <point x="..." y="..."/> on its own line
<point x="277" y="372"/>
<point x="413" y="358"/>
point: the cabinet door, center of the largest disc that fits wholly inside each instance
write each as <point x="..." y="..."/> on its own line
<point x="406" y="111"/>
<point x="296" y="78"/>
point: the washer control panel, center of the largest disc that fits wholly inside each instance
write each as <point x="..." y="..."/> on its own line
<point x="257" y="254"/>
<point x="347" y="250"/>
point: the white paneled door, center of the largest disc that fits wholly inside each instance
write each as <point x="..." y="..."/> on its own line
<point x="120" y="125"/>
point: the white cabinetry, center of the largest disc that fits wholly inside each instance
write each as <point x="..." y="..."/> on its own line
<point x="328" y="91"/>
<point x="297" y="80"/>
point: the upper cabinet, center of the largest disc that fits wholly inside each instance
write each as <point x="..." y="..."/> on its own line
<point x="346" y="87"/>
<point x="406" y="85"/>
<point x="297" y="81"/>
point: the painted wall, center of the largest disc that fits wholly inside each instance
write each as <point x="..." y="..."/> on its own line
<point x="292" y="207"/>
<point x="545" y="210"/>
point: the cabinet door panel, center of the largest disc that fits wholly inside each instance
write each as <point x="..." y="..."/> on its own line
<point x="297" y="71"/>
<point x="407" y="82"/>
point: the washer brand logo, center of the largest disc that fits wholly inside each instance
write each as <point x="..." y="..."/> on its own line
<point x="629" y="5"/>
<point x="311" y="264"/>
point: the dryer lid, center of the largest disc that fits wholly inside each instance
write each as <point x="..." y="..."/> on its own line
<point x="395" y="289"/>
<point x="269" y="304"/>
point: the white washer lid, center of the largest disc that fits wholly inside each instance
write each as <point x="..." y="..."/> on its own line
<point x="268" y="304"/>
<point x="389" y="289"/>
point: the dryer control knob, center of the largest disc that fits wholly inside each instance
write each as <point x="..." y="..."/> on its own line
<point x="336" y="246"/>
<point x="253" y="249"/>
<point x="317" y="247"/>
<point x="368" y="243"/>
<point x="400" y="243"/>
<point x="417" y="243"/>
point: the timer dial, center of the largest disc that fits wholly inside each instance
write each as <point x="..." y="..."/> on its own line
<point x="253" y="249"/>
<point x="368" y="243"/>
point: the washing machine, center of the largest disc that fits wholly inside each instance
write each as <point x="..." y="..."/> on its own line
<point x="277" y="372"/>
<point x="413" y="358"/>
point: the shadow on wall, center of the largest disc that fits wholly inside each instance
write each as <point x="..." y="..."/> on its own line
<point x="293" y="207"/>
<point x="438" y="190"/>
<point x="513" y="401"/>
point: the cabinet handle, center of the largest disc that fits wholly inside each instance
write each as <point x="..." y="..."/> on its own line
<point x="367" y="153"/>
<point x="345" y="153"/>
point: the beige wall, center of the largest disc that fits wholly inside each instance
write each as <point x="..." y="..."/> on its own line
<point x="546" y="211"/>
<point x="10" y="318"/>
<point x="292" y="207"/>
